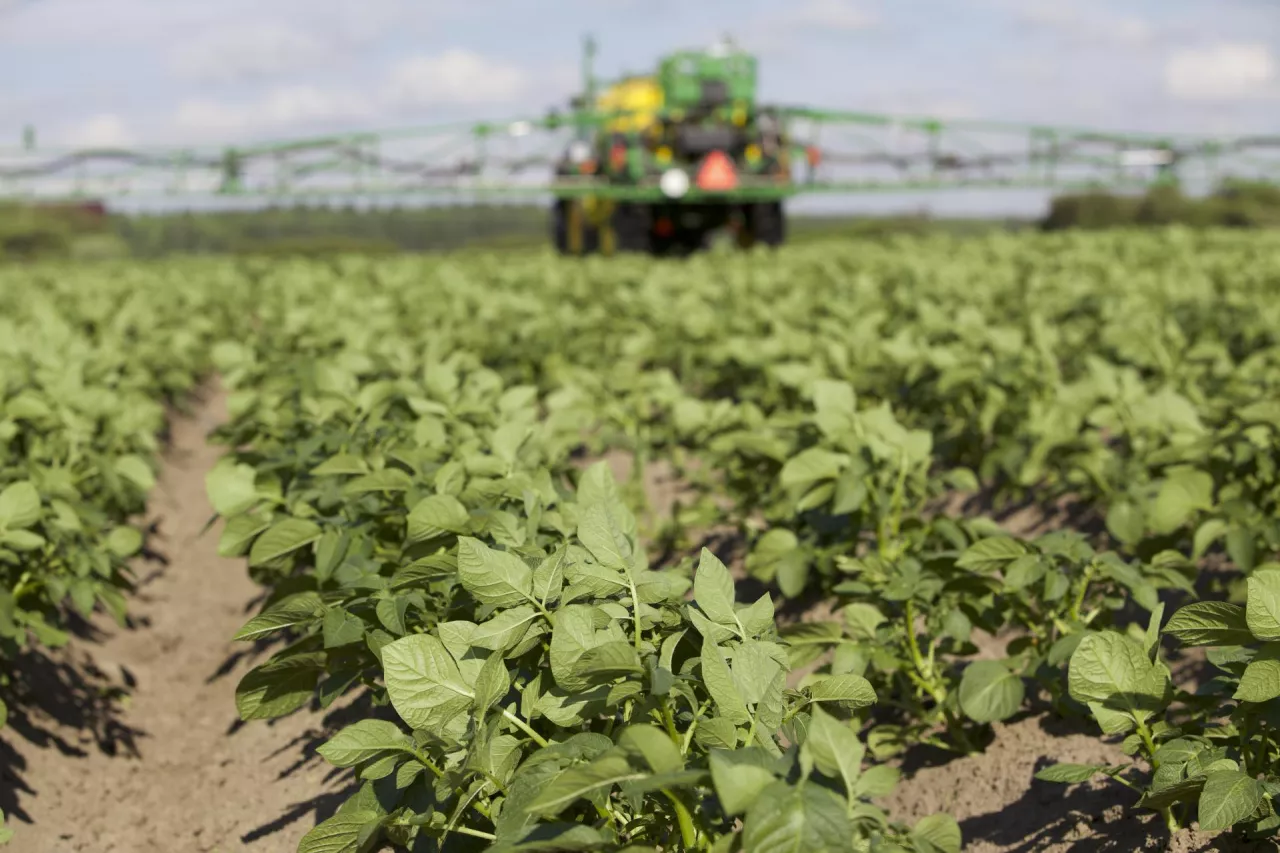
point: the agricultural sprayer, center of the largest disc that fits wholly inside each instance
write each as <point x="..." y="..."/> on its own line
<point x="649" y="163"/>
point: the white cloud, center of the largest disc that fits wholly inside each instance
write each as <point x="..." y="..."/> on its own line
<point x="106" y="130"/>
<point x="1081" y="23"/>
<point x="455" y="77"/>
<point x="1224" y="71"/>
<point x="454" y="80"/>
<point x="224" y="56"/>
<point x="280" y="109"/>
<point x="841" y="15"/>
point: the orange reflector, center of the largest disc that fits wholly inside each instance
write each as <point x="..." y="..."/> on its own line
<point x="717" y="173"/>
<point x="588" y="167"/>
<point x="814" y="155"/>
<point x="663" y="227"/>
<point x="618" y="157"/>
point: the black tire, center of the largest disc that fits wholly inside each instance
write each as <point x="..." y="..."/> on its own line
<point x="765" y="223"/>
<point x="633" y="228"/>
<point x="560" y="230"/>
<point x="560" y="226"/>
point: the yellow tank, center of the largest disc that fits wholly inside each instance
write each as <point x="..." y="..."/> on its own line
<point x="640" y="97"/>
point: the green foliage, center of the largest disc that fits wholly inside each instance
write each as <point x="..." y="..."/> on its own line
<point x="1211" y="755"/>
<point x="86" y="364"/>
<point x="1234" y="204"/>
<point x="555" y="662"/>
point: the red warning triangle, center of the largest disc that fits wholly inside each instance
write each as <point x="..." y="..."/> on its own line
<point x="717" y="173"/>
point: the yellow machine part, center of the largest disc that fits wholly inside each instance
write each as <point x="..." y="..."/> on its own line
<point x="639" y="97"/>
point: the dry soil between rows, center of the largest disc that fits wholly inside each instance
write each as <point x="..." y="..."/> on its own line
<point x="171" y="770"/>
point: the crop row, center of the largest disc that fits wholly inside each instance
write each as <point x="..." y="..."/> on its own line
<point x="87" y="366"/>
<point x="404" y="478"/>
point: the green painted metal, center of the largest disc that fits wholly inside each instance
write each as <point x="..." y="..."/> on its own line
<point x="859" y="153"/>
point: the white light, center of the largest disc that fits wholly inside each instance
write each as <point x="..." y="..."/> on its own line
<point x="520" y="128"/>
<point x="579" y="151"/>
<point x="674" y="183"/>
<point x="1152" y="157"/>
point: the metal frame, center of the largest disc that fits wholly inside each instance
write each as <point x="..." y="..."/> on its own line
<point x="859" y="153"/>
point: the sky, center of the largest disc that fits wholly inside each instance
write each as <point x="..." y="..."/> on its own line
<point x="130" y="72"/>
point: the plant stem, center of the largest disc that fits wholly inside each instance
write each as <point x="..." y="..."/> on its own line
<point x="688" y="833"/>
<point x="521" y="724"/>
<point x="1074" y="613"/>
<point x="1149" y="742"/>
<point x="462" y="830"/>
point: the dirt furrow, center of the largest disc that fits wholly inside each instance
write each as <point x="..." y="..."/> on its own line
<point x="166" y="767"/>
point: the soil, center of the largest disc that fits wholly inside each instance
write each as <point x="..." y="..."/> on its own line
<point x="129" y="740"/>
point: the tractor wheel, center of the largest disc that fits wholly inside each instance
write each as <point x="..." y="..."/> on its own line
<point x="560" y="223"/>
<point x="765" y="223"/>
<point x="560" y="226"/>
<point x="632" y="224"/>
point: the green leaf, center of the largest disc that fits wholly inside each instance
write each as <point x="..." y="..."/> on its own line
<point x="1210" y="623"/>
<point x="862" y="619"/>
<point x="386" y="480"/>
<point x="124" y="541"/>
<point x="230" y="488"/>
<point x="239" y="532"/>
<point x="424" y="683"/>
<point x="713" y="592"/>
<point x="739" y="776"/>
<point x="1070" y="774"/>
<point x="1261" y="680"/>
<point x="560" y="837"/>
<point x="345" y="832"/>
<point x="940" y="831"/>
<point x="492" y="684"/>
<point x="278" y="687"/>
<point x="576" y="782"/>
<point x="435" y="516"/>
<point x="720" y="684"/>
<point x="604" y="538"/>
<point x="654" y="745"/>
<point x="835" y="749"/>
<point x="22" y="540"/>
<point x="793" y="575"/>
<point x="991" y="555"/>
<point x="812" y="466"/>
<point x="877" y="781"/>
<point x="1126" y="522"/>
<point x="1242" y="548"/>
<point x="1113" y="671"/>
<point x="990" y="691"/>
<point x="1262" y="607"/>
<point x="499" y="578"/>
<point x="19" y="505"/>
<point x="296" y="609"/>
<point x="342" y="463"/>
<point x="362" y="741"/>
<point x="1229" y="797"/>
<point x="786" y="819"/>
<point x="504" y="630"/>
<point x="136" y="470"/>
<point x="607" y="661"/>
<point x="283" y="537"/>
<point x="850" y="691"/>
<point x="1179" y="498"/>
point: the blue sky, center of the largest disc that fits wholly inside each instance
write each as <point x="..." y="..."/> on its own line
<point x="196" y="71"/>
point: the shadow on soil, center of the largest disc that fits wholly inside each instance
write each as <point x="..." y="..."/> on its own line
<point x="322" y="806"/>
<point x="52" y="694"/>
<point x="1047" y="813"/>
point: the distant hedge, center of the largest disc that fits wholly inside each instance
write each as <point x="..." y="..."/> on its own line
<point x="1233" y="205"/>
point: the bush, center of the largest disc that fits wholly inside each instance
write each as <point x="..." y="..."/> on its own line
<point x="1235" y="204"/>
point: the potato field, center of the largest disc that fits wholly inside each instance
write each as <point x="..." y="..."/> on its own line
<point x="925" y="546"/>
